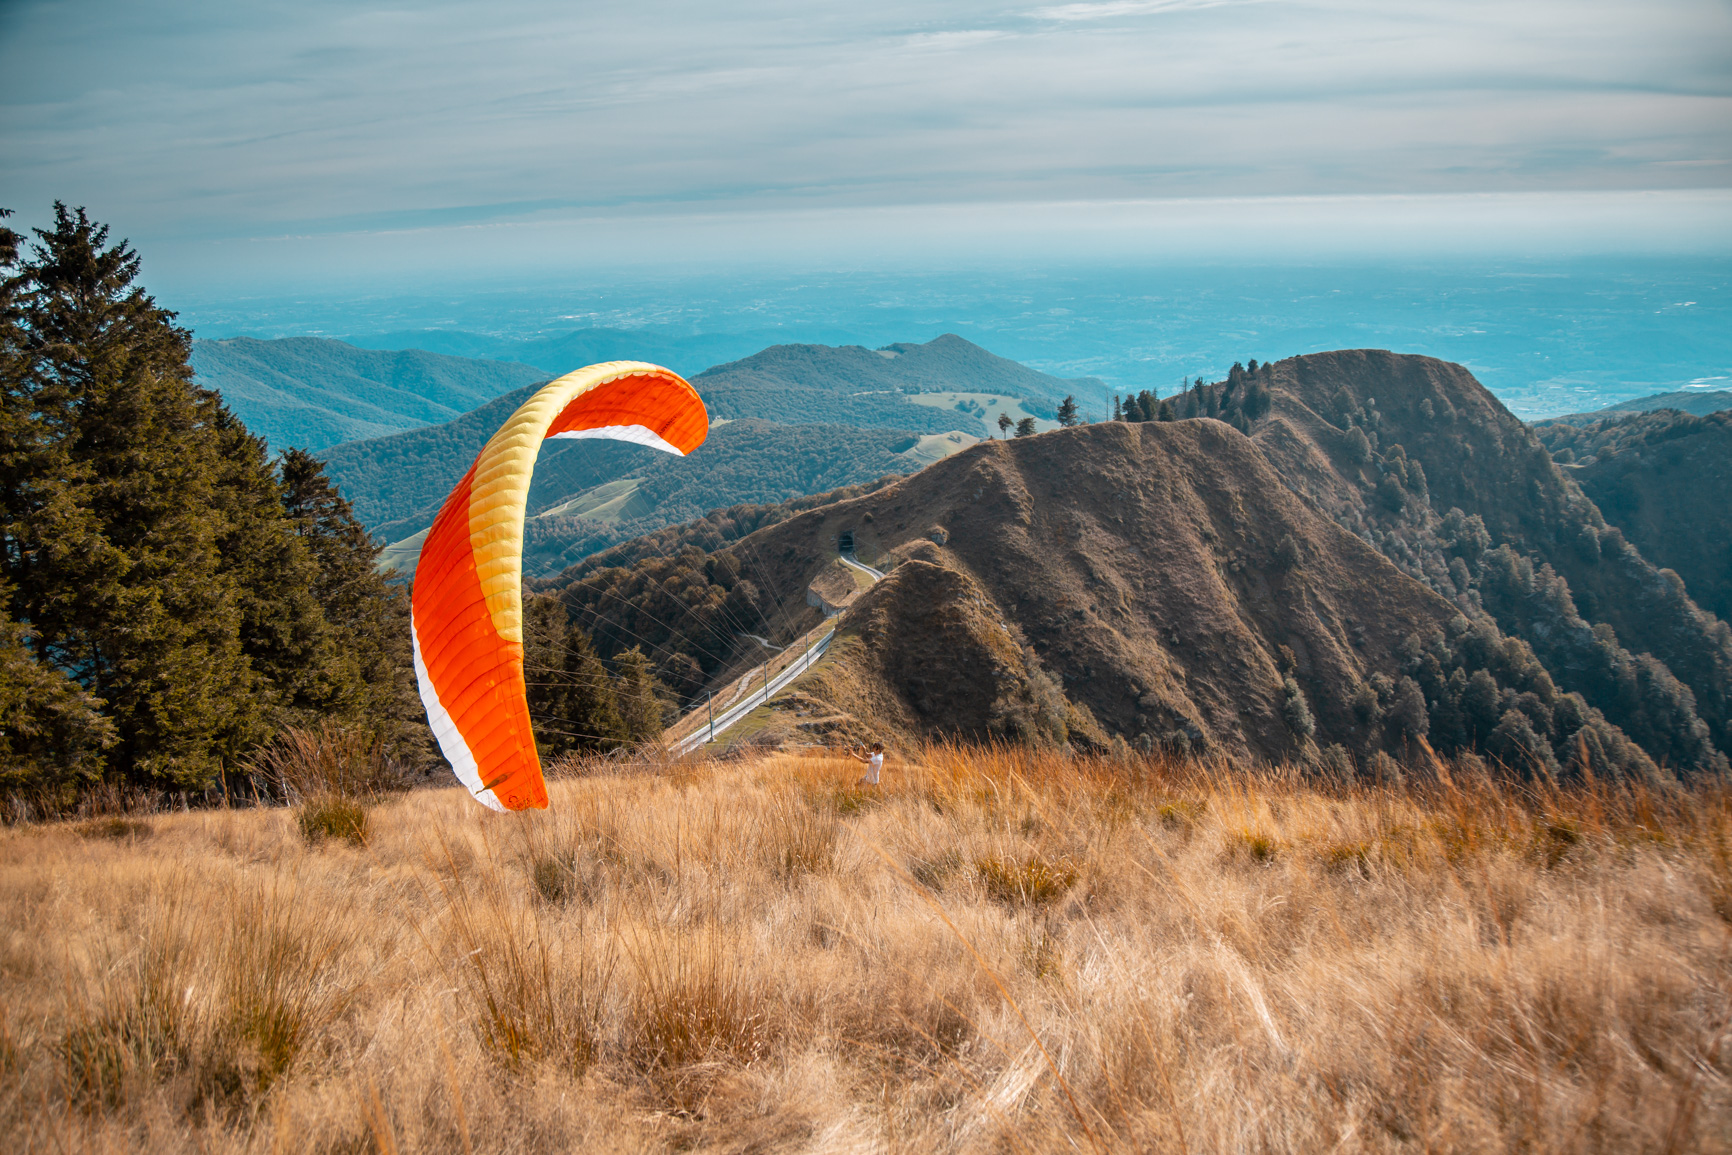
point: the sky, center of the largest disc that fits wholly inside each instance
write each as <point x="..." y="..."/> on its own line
<point x="247" y="140"/>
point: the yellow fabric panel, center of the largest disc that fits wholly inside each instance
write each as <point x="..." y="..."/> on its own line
<point x="499" y="494"/>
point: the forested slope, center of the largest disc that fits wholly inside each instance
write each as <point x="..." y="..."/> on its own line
<point x="311" y="393"/>
<point x="1665" y="480"/>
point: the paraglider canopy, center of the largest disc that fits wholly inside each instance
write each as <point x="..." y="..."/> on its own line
<point x="467" y="619"/>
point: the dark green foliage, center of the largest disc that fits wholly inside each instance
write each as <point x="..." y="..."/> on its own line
<point x="1025" y="427"/>
<point x="146" y="539"/>
<point x="1258" y="397"/>
<point x="1295" y="710"/>
<point x="690" y="607"/>
<point x="1406" y="710"/>
<point x="1005" y="421"/>
<point x="1665" y="480"/>
<point x="1165" y="412"/>
<point x="399" y="482"/>
<point x="1514" y="742"/>
<point x="1142" y="407"/>
<point x="52" y="734"/>
<point x="640" y="696"/>
<point x="708" y="533"/>
<point x="573" y="702"/>
<point x="1459" y="691"/>
<point x="115" y="511"/>
<point x="1390" y="493"/>
<point x="1463" y="536"/>
<point x="1358" y="446"/>
<point x="1636" y="691"/>
<point x="1067" y="414"/>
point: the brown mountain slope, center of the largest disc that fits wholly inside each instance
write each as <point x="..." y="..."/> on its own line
<point x="1347" y="429"/>
<point x="1155" y="581"/>
<point x="1157" y="570"/>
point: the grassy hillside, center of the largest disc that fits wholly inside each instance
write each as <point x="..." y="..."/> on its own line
<point x="312" y="393"/>
<point x="995" y="952"/>
<point x="685" y="354"/>
<point x="1665" y="480"/>
<point x="1694" y="401"/>
<point x="857" y="386"/>
<point x="589" y="495"/>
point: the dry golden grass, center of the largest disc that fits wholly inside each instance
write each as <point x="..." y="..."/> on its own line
<point x="1000" y="951"/>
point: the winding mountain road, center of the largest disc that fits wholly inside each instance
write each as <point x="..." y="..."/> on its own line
<point x="707" y="732"/>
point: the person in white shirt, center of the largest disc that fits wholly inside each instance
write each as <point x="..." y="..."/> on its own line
<point x="874" y="763"/>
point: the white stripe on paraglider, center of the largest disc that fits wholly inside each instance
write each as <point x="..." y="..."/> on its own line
<point x="451" y="742"/>
<point x="636" y="434"/>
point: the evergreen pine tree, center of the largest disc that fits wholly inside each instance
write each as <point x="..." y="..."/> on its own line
<point x="1067" y="412"/>
<point x="367" y="616"/>
<point x="1004" y="424"/>
<point x="196" y="599"/>
<point x="52" y="733"/>
<point x="1118" y="409"/>
<point x="640" y="701"/>
<point x="572" y="700"/>
<point x="1258" y="400"/>
<point x="112" y="514"/>
<point x="1025" y="427"/>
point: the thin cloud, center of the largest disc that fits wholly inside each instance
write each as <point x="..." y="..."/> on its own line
<point x="1114" y="9"/>
<point x="195" y="119"/>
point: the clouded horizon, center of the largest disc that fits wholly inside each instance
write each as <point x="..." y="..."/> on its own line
<point x="507" y="132"/>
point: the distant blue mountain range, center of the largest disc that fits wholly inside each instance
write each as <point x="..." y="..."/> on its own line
<point x="313" y="393"/>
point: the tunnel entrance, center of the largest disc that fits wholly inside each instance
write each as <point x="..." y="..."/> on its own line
<point x="845" y="541"/>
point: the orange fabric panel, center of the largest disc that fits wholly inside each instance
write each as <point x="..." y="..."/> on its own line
<point x="476" y="673"/>
<point x="666" y="405"/>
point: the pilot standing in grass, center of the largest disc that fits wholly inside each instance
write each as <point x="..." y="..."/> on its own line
<point x="874" y="763"/>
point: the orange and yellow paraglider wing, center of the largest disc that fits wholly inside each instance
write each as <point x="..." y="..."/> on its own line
<point x="467" y="622"/>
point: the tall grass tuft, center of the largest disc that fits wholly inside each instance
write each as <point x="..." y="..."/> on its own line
<point x="693" y="1011"/>
<point x="142" y="1023"/>
<point x="331" y="775"/>
<point x="529" y="1000"/>
<point x="798" y="838"/>
<point x="284" y="982"/>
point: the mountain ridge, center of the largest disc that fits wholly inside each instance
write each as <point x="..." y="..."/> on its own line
<point x="312" y="392"/>
<point x="395" y="483"/>
<point x="1418" y="463"/>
